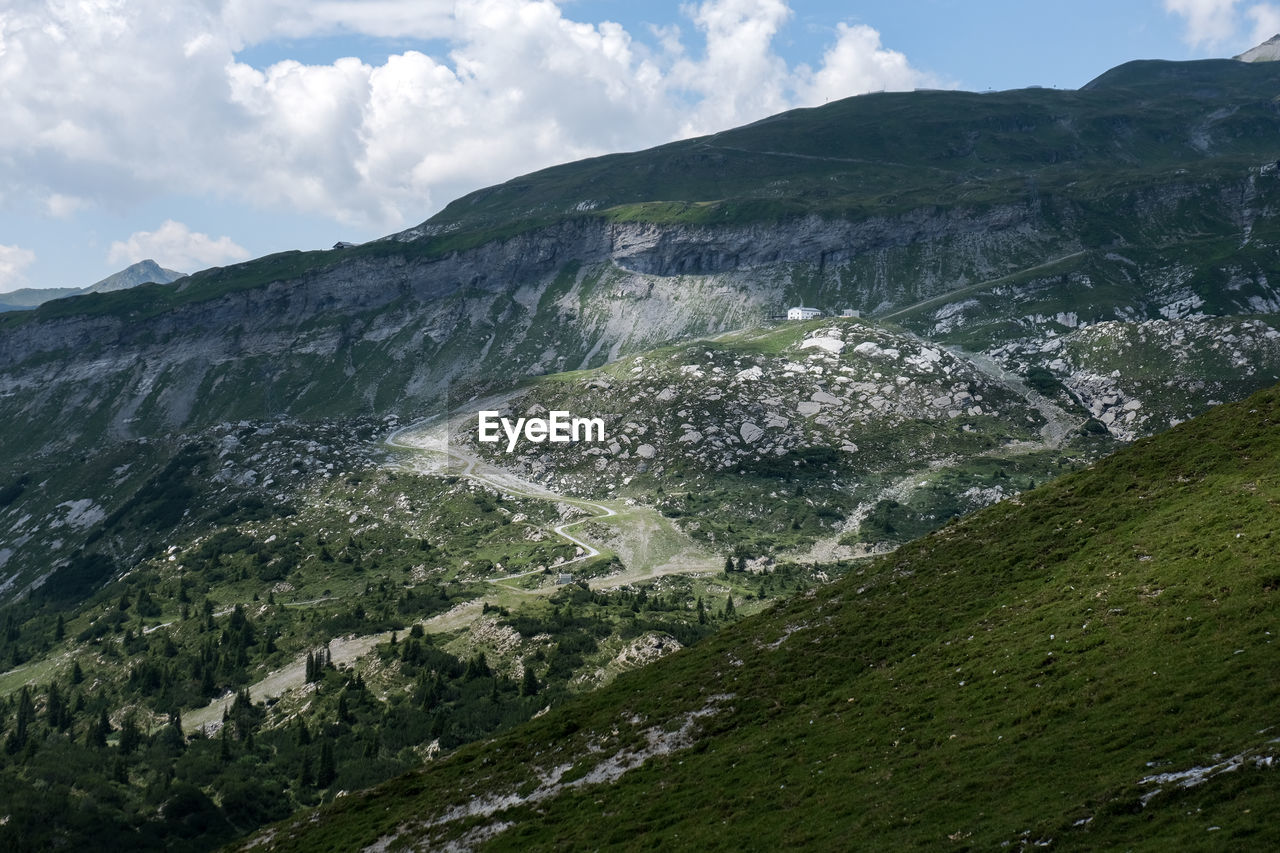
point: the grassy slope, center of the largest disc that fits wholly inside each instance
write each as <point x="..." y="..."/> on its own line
<point x="1010" y="677"/>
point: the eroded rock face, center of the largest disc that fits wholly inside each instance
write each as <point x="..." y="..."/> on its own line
<point x="403" y="332"/>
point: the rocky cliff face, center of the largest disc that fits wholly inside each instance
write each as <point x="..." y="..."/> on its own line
<point x="402" y="332"/>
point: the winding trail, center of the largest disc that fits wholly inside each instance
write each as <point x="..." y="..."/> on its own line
<point x="432" y="436"/>
<point x="951" y="295"/>
<point x="437" y="455"/>
<point x="432" y="453"/>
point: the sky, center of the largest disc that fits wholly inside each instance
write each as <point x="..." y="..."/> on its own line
<point x="205" y="132"/>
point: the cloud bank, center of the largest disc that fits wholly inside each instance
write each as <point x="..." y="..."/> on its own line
<point x="175" y="246"/>
<point x="1212" y="24"/>
<point x="115" y="102"/>
<point x="13" y="260"/>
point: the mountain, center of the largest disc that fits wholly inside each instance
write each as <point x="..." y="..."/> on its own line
<point x="1268" y="51"/>
<point x="1086" y="238"/>
<point x="252" y="554"/>
<point x="142" y="272"/>
<point x="1084" y="667"/>
<point x="30" y="297"/>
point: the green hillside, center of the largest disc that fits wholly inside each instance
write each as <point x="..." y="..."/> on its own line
<point x="1058" y="670"/>
<point x="891" y="151"/>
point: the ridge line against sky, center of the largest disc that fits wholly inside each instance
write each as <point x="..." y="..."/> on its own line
<point x="203" y="132"/>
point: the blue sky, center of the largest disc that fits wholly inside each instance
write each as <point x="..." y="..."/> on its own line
<point x="202" y="132"/>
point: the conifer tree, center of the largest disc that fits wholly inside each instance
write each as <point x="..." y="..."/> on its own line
<point x="529" y="686"/>
<point x="305" y="776"/>
<point x="26" y="713"/>
<point x="98" y="731"/>
<point x="130" y="736"/>
<point x="327" y="770"/>
<point x="56" y="708"/>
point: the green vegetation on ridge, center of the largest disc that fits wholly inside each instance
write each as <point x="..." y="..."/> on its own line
<point x="1022" y="676"/>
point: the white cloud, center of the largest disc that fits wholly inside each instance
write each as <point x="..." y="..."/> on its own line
<point x="253" y="21"/>
<point x="113" y="102"/>
<point x="13" y="260"/>
<point x="739" y="75"/>
<point x="857" y="62"/>
<point x="1209" y="22"/>
<point x="175" y="246"/>
<point x="61" y="206"/>
<point x="1217" y="24"/>
<point x="1266" y="21"/>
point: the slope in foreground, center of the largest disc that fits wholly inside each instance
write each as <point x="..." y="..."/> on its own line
<point x="1088" y="665"/>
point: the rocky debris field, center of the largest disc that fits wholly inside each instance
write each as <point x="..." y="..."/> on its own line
<point x="1136" y="378"/>
<point x="751" y="402"/>
<point x="128" y="491"/>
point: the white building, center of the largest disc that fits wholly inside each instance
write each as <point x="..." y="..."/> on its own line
<point x="802" y="313"/>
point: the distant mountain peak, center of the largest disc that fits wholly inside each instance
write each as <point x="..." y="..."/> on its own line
<point x="143" y="272"/>
<point x="1268" y="51"/>
<point x="131" y="276"/>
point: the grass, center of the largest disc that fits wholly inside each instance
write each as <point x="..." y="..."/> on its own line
<point x="1011" y="678"/>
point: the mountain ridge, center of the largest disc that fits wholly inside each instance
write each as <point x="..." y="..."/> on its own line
<point x="143" y="272"/>
<point x="1000" y="224"/>
<point x="242" y="486"/>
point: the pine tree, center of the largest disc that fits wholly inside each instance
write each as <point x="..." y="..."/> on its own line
<point x="344" y="713"/>
<point x="728" y="607"/>
<point x="328" y="770"/>
<point x="305" y="776"/>
<point x="98" y="730"/>
<point x="130" y="736"/>
<point x="530" y="686"/>
<point x="55" y="708"/>
<point x="728" y="564"/>
<point x="702" y="612"/>
<point x="26" y="713"/>
<point x="60" y="629"/>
